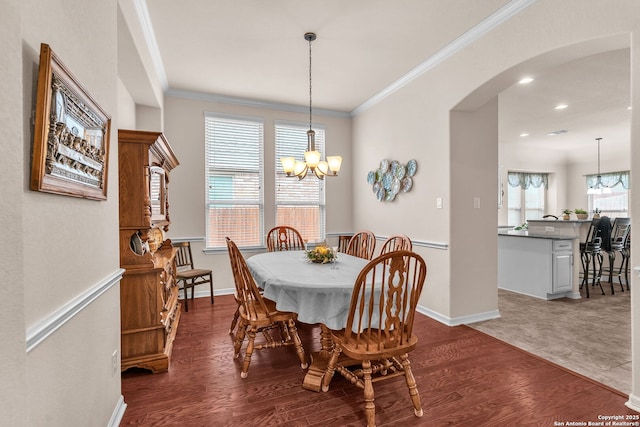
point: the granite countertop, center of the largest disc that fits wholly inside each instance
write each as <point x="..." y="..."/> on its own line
<point x="525" y="233"/>
<point x="561" y="221"/>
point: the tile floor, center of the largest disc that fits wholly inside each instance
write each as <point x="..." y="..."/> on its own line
<point x="589" y="336"/>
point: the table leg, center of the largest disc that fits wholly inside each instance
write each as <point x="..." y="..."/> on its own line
<point x="313" y="378"/>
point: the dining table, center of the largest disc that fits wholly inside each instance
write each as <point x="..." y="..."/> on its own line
<point x="318" y="293"/>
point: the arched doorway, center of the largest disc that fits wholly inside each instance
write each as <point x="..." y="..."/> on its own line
<point x="475" y="136"/>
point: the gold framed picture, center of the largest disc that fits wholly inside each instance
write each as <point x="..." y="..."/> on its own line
<point x="71" y="134"/>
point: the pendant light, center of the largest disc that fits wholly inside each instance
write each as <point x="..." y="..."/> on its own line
<point x="598" y="187"/>
<point x="312" y="158"/>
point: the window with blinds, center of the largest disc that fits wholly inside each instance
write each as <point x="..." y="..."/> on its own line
<point x="526" y="196"/>
<point x="234" y="174"/>
<point x="615" y="203"/>
<point x="300" y="204"/>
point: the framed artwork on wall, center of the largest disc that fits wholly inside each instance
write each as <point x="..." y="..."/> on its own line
<point x="71" y="134"/>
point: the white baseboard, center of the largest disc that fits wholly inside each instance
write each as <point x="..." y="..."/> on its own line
<point x="462" y="320"/>
<point x="633" y="403"/>
<point x="118" y="413"/>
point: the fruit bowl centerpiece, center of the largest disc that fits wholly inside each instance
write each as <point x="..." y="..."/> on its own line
<point x="320" y="255"/>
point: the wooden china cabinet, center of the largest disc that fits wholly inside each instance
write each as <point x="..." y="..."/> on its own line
<point x="149" y="308"/>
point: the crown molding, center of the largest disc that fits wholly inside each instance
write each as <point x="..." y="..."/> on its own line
<point x="489" y="23"/>
<point x="492" y="21"/>
<point x="224" y="99"/>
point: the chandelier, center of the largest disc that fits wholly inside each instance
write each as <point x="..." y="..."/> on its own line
<point x="312" y="159"/>
<point x="598" y="187"/>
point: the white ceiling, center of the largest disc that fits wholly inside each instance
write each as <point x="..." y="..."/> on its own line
<point x="596" y="89"/>
<point x="255" y="49"/>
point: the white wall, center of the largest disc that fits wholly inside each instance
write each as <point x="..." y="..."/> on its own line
<point x="58" y="247"/>
<point x="13" y="369"/>
<point x="126" y="108"/>
<point x="184" y="128"/>
<point x="634" y="399"/>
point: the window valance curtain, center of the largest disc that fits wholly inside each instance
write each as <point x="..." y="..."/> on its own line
<point x="610" y="179"/>
<point x="527" y="180"/>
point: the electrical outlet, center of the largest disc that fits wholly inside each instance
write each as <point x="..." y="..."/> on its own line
<point x="476" y="202"/>
<point x="114" y="362"/>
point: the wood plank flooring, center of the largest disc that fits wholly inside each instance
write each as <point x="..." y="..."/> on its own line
<point x="465" y="378"/>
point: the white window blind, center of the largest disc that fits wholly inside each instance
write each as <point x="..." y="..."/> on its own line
<point x="300" y="204"/>
<point x="234" y="174"/>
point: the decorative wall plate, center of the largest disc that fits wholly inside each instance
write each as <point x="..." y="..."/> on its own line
<point x="412" y="167"/>
<point x="390" y="178"/>
<point x="384" y="165"/>
<point x="387" y="179"/>
<point x="407" y="183"/>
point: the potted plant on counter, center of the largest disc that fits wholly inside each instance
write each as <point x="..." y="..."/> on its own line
<point x="566" y="214"/>
<point x="581" y="213"/>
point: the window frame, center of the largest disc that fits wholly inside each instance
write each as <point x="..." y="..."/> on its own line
<point x="231" y="172"/>
<point x="523" y="198"/>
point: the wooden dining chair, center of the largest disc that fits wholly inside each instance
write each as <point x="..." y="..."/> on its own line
<point x="397" y="242"/>
<point x="187" y="276"/>
<point x="284" y="238"/>
<point x="259" y="315"/>
<point x="362" y="244"/>
<point x="378" y="334"/>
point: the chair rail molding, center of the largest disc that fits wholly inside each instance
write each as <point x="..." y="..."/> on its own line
<point x="41" y="330"/>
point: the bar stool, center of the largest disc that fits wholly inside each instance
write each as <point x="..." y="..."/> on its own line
<point x="591" y="256"/>
<point x="624" y="265"/>
<point x="619" y="233"/>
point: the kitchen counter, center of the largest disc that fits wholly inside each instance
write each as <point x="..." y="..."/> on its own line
<point x="576" y="228"/>
<point x="544" y="266"/>
<point x="525" y="233"/>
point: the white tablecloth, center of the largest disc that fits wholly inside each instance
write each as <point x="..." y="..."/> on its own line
<point x="316" y="292"/>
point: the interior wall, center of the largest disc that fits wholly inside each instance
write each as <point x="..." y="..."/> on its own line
<point x="126" y="108"/>
<point x="634" y="399"/>
<point x="13" y="369"/>
<point x="69" y="245"/>
<point x="149" y="118"/>
<point x="184" y="120"/>
<point x="474" y="163"/>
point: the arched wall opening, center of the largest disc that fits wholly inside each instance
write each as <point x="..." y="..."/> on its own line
<point x="474" y="153"/>
<point x="474" y="148"/>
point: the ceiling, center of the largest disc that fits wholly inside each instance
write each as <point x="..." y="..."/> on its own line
<point x="255" y="50"/>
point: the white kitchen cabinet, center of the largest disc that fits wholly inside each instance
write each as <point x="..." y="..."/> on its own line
<point x="538" y="266"/>
<point x="562" y="278"/>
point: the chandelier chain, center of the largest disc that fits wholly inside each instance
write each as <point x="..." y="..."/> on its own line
<point x="309" y="84"/>
<point x="598" y="139"/>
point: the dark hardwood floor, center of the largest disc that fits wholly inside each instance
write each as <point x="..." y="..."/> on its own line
<point x="465" y="378"/>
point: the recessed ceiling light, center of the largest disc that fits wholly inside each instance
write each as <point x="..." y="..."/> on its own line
<point x="561" y="106"/>
<point x="524" y="134"/>
<point x="629" y="107"/>
<point x="525" y="80"/>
